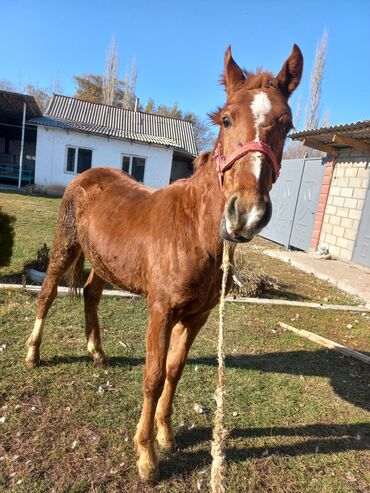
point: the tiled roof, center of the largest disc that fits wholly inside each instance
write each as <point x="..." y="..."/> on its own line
<point x="75" y="114"/>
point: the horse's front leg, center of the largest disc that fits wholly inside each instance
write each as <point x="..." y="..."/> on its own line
<point x="158" y="337"/>
<point x="182" y="337"/>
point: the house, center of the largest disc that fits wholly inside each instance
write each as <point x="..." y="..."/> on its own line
<point x="342" y="217"/>
<point x="17" y="137"/>
<point x="75" y="135"/>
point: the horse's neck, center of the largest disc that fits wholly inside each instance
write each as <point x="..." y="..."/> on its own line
<point x="205" y="190"/>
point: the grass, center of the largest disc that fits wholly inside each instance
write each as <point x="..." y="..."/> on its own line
<point x="302" y="422"/>
<point x="297" y="414"/>
<point x="35" y="223"/>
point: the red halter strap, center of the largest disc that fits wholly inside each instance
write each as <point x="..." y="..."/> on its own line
<point x="224" y="163"/>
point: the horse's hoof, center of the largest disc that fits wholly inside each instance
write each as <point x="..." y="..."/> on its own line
<point x="100" y="361"/>
<point x="33" y="357"/>
<point x="148" y="471"/>
<point x="166" y="442"/>
<point x="32" y="363"/>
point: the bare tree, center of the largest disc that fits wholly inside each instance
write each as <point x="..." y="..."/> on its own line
<point x="110" y="79"/>
<point x="295" y="149"/>
<point x="326" y="119"/>
<point x="317" y="76"/>
<point x="6" y="85"/>
<point x="128" y="100"/>
<point x="42" y="96"/>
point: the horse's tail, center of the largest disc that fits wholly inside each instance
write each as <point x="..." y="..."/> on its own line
<point x="75" y="275"/>
<point x="67" y="242"/>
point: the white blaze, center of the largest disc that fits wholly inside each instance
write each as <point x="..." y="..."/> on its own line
<point x="253" y="216"/>
<point x="261" y="106"/>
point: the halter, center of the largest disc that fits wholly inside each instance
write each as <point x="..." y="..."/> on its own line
<point x="224" y="163"/>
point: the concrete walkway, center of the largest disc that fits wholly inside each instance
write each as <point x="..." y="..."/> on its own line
<point x="352" y="279"/>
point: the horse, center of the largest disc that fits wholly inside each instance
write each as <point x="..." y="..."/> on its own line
<point x="167" y="244"/>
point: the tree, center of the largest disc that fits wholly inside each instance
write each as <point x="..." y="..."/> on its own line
<point x="317" y="76"/>
<point x="110" y="80"/>
<point x="108" y="88"/>
<point x="129" y="97"/>
<point x="42" y="96"/>
<point x="6" y="85"/>
<point x="89" y="87"/>
<point x="295" y="149"/>
<point x="203" y="134"/>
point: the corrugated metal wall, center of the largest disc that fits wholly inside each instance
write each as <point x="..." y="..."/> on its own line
<point x="294" y="199"/>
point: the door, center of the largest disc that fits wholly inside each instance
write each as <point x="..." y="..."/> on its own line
<point x="284" y="196"/>
<point x="361" y="252"/>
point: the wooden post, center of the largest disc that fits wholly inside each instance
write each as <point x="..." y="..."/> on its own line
<point x="22" y="145"/>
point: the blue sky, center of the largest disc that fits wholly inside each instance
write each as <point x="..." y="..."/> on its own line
<point x="179" y="46"/>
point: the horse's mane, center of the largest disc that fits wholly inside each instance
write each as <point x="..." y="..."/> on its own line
<point x="201" y="159"/>
<point x="252" y="81"/>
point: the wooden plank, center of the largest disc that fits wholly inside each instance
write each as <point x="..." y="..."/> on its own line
<point x="320" y="146"/>
<point x="62" y="291"/>
<point x="299" y="304"/>
<point x="327" y="343"/>
<point x="350" y="142"/>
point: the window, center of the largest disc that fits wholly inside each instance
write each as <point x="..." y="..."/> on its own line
<point x="134" y="166"/>
<point x="78" y="159"/>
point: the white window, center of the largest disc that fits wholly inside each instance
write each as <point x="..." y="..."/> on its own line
<point x="78" y="159"/>
<point x="134" y="166"/>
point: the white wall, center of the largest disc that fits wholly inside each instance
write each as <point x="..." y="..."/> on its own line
<point x="51" y="155"/>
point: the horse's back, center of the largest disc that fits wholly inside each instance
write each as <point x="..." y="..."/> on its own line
<point x="107" y="179"/>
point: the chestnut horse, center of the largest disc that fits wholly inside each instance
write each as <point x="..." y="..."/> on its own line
<point x="167" y="244"/>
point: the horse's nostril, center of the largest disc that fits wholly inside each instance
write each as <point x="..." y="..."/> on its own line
<point x="232" y="208"/>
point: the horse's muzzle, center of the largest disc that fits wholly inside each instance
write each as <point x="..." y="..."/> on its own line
<point x="235" y="238"/>
<point x="241" y="224"/>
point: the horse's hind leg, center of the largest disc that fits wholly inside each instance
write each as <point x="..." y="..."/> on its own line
<point x="92" y="294"/>
<point x="62" y="258"/>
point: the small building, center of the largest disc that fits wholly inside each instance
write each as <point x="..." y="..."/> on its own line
<point x="16" y="109"/>
<point x="342" y="218"/>
<point x="75" y="135"/>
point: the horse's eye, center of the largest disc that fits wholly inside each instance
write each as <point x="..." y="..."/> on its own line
<point x="226" y="122"/>
<point x="287" y="128"/>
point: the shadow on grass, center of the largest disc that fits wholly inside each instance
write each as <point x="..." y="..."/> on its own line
<point x="323" y="439"/>
<point x="113" y="361"/>
<point x="349" y="378"/>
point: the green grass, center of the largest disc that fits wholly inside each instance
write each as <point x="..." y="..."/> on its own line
<point x="302" y="420"/>
<point x="35" y="223"/>
<point x="301" y="423"/>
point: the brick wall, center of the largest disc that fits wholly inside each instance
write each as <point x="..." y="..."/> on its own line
<point x="344" y="204"/>
<point x="324" y="194"/>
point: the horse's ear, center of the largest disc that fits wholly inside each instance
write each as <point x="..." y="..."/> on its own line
<point x="233" y="73"/>
<point x="291" y="73"/>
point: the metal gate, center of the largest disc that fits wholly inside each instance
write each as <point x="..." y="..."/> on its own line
<point x="361" y="252"/>
<point x="295" y="197"/>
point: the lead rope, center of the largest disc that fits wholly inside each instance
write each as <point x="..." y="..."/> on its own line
<point x="219" y="432"/>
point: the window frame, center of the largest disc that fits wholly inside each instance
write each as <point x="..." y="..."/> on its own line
<point x="131" y="157"/>
<point x="75" y="163"/>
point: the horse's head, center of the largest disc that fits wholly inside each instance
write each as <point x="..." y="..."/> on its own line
<point x="254" y="124"/>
